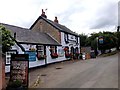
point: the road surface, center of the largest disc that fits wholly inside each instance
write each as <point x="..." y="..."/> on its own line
<point x="101" y="72"/>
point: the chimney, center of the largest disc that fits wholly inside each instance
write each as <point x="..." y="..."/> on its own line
<point x="43" y="14"/>
<point x="15" y="35"/>
<point x="56" y="20"/>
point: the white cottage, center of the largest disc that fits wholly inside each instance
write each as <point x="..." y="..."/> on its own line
<point x="46" y="42"/>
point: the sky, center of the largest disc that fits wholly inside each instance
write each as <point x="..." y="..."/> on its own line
<point x="81" y="16"/>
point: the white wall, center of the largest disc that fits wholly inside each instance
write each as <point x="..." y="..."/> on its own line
<point x="31" y="63"/>
<point x="71" y="42"/>
<point x="51" y="60"/>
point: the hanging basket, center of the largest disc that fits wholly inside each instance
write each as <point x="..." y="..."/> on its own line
<point x="65" y="49"/>
<point x="54" y="55"/>
<point x="41" y="57"/>
<point x="67" y="55"/>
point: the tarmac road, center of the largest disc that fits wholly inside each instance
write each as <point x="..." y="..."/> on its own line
<point x="101" y="72"/>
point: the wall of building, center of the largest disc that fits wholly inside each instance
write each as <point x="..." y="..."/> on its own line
<point x="49" y="59"/>
<point x="60" y="52"/>
<point x="71" y="43"/>
<point x="43" y="26"/>
<point x="31" y="63"/>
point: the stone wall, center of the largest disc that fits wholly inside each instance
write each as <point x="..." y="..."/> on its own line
<point x="43" y="26"/>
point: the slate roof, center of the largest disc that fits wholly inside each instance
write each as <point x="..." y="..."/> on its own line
<point x="58" y="26"/>
<point x="24" y="35"/>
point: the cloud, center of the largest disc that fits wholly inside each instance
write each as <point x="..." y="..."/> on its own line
<point x="106" y="16"/>
<point x="119" y="13"/>
<point x="78" y="15"/>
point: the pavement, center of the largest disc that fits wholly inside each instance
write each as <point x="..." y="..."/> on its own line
<point x="101" y="72"/>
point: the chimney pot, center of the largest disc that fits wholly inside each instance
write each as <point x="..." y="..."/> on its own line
<point x="43" y="14"/>
<point x="56" y="20"/>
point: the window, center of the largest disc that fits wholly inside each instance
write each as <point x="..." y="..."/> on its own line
<point x="67" y="54"/>
<point x="8" y="56"/>
<point x="60" y="52"/>
<point x="40" y="52"/>
<point x="72" y="50"/>
<point x="76" y="50"/>
<point x="76" y="40"/>
<point x="66" y="38"/>
<point x="53" y="50"/>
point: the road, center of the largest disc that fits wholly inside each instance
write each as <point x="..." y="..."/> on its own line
<point x="101" y="72"/>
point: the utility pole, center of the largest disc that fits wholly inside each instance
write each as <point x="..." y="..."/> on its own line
<point x="118" y="27"/>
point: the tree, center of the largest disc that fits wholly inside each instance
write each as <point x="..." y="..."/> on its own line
<point x="117" y="35"/>
<point x="7" y="42"/>
<point x="109" y="41"/>
<point x="83" y="38"/>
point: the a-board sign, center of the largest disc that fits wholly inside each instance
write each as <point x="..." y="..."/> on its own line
<point x="19" y="68"/>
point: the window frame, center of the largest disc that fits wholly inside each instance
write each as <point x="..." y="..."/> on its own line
<point x="9" y="56"/>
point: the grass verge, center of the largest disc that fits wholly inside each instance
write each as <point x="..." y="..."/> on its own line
<point x="109" y="54"/>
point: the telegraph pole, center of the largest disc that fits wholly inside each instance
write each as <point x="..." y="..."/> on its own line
<point x="118" y="27"/>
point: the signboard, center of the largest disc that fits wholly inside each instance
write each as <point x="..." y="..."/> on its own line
<point x="32" y="55"/>
<point x="100" y="40"/>
<point x="19" y="69"/>
<point x="8" y="56"/>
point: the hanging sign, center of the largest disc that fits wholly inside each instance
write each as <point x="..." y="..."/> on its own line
<point x="100" y="40"/>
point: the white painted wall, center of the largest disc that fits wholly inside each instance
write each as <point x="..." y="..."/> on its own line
<point x="31" y="63"/>
<point x="71" y="42"/>
<point x="50" y="60"/>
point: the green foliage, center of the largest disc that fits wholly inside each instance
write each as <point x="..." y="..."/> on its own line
<point x="117" y="35"/>
<point x="110" y="40"/>
<point x="14" y="84"/>
<point x="83" y="38"/>
<point x="7" y="42"/>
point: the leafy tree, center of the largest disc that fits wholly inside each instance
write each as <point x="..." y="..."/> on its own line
<point x="109" y="41"/>
<point x="83" y="38"/>
<point x="7" y="42"/>
<point x="117" y="35"/>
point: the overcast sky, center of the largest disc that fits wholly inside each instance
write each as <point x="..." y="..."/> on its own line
<point x="81" y="16"/>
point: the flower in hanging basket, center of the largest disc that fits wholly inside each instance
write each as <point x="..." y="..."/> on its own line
<point x="67" y="55"/>
<point x="71" y="54"/>
<point x="41" y="57"/>
<point x="65" y="49"/>
<point x="77" y="53"/>
<point x="32" y="49"/>
<point x="54" y="55"/>
<point x="44" y="56"/>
